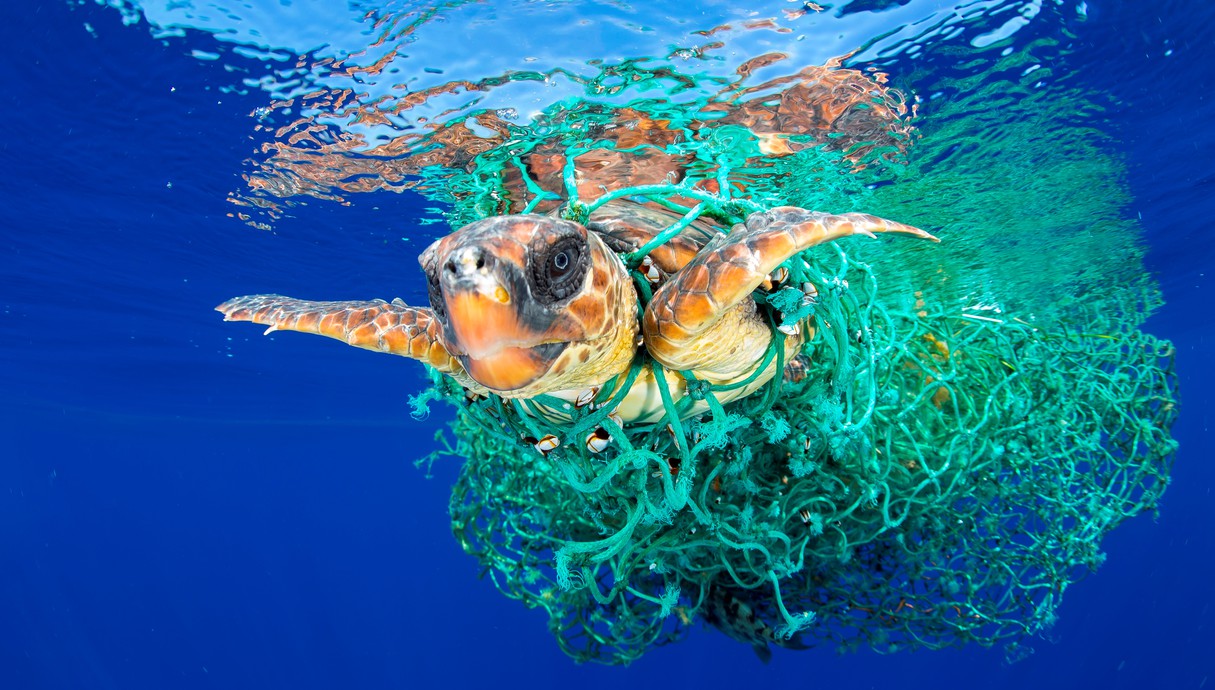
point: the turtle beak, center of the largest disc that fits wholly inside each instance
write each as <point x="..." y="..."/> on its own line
<point x="512" y="368"/>
<point x="498" y="344"/>
<point x="484" y="323"/>
<point x="481" y="312"/>
<point x="499" y="351"/>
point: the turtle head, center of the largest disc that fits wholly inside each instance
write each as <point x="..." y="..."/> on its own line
<point x="529" y="304"/>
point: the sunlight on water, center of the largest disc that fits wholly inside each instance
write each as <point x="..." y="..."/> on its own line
<point x="967" y="120"/>
<point x="1005" y="157"/>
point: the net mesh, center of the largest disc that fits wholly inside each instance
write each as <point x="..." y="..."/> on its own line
<point x="960" y="437"/>
<point x="934" y="475"/>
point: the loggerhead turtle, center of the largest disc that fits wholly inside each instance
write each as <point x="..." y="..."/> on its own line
<point x="524" y="305"/>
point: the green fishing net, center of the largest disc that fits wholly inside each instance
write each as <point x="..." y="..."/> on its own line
<point x="966" y="420"/>
<point x="937" y="471"/>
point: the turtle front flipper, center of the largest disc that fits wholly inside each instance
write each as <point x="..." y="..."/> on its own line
<point x="393" y="327"/>
<point x="704" y="319"/>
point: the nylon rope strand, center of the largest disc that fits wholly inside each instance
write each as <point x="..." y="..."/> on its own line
<point x="935" y="478"/>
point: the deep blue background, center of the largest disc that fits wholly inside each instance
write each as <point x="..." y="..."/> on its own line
<point x="186" y="504"/>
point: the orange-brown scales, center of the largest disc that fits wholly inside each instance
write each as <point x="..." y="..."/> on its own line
<point x="524" y="305"/>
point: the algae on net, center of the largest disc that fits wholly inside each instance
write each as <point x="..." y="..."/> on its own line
<point x="973" y="418"/>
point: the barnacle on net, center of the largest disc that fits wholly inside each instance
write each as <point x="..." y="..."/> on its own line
<point x="937" y="480"/>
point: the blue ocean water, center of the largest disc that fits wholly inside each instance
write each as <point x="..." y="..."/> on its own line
<point x="188" y="504"/>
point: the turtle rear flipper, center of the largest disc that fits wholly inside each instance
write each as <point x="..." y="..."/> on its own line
<point x="393" y="327"/>
<point x="704" y="319"/>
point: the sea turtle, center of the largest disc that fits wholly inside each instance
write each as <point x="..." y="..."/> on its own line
<point x="523" y="305"/>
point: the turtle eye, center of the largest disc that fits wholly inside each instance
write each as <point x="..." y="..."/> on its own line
<point x="558" y="273"/>
<point x="559" y="265"/>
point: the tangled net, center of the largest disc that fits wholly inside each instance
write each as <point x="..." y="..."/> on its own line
<point x="935" y="476"/>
